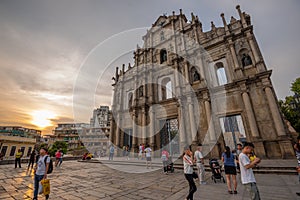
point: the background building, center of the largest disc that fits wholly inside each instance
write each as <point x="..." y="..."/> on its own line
<point x="68" y="132"/>
<point x="189" y="86"/>
<point x="13" y="138"/>
<point x="96" y="137"/>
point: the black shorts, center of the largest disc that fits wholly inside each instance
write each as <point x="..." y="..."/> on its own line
<point x="230" y="170"/>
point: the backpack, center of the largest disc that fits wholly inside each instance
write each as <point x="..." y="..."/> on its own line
<point x="50" y="168"/>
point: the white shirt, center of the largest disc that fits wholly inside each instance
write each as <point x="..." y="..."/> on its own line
<point x="198" y="155"/>
<point x="148" y="152"/>
<point x="247" y="175"/>
<point x="187" y="165"/>
<point x="41" y="167"/>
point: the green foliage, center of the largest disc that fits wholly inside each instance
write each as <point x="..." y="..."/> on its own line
<point x="289" y="107"/>
<point x="57" y="146"/>
<point x="296" y="86"/>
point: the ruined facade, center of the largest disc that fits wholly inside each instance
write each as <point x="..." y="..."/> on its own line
<point x="188" y="86"/>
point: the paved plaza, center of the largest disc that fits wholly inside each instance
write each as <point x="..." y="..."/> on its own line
<point x="82" y="180"/>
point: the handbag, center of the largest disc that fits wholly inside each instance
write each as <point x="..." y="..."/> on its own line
<point x="195" y="175"/>
<point x="46" y="186"/>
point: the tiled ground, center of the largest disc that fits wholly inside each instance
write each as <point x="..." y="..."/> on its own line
<point x="76" y="180"/>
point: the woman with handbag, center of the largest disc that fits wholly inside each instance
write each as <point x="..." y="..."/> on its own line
<point x="189" y="172"/>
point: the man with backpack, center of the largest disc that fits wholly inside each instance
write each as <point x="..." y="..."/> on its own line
<point x="43" y="167"/>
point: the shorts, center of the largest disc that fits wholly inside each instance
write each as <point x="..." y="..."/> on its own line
<point x="230" y="170"/>
<point x="148" y="158"/>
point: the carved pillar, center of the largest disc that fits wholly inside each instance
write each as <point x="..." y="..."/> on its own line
<point x="253" y="48"/>
<point x="275" y="112"/>
<point x="237" y="69"/>
<point x="192" y="119"/>
<point x="182" y="133"/>
<point x="211" y="131"/>
<point x="134" y="133"/>
<point x="143" y="126"/>
<point x="250" y="115"/>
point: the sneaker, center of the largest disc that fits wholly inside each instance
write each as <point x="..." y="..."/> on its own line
<point x="202" y="183"/>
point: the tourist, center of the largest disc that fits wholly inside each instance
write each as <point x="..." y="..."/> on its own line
<point x="297" y="152"/>
<point x="31" y="159"/>
<point x="57" y="157"/>
<point x="199" y="159"/>
<point x="140" y="152"/>
<point x="124" y="151"/>
<point x="61" y="158"/>
<point x="238" y="152"/>
<point x="165" y="160"/>
<point x="40" y="171"/>
<point x="127" y="152"/>
<point x="148" y="151"/>
<point x="111" y="152"/>
<point x="18" y="157"/>
<point x="188" y="172"/>
<point x="247" y="176"/>
<point x="230" y="170"/>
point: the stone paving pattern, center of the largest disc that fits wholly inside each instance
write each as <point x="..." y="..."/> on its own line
<point x="77" y="180"/>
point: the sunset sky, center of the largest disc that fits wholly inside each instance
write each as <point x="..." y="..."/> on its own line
<point x="46" y="44"/>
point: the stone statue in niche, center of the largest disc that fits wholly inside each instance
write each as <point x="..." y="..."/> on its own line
<point x="246" y="60"/>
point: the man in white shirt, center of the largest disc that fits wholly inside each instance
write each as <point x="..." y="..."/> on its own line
<point x="247" y="176"/>
<point x="148" y="151"/>
<point x="40" y="171"/>
<point x="199" y="159"/>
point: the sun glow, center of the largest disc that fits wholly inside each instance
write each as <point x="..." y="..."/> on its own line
<point x="42" y="118"/>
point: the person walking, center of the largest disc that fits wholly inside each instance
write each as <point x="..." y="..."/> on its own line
<point x="111" y="152"/>
<point x="18" y="157"/>
<point x="148" y="151"/>
<point x="230" y="170"/>
<point x="247" y="176"/>
<point x="57" y="157"/>
<point x="140" y="152"/>
<point x="31" y="159"/>
<point x="188" y="172"/>
<point x="297" y="152"/>
<point x="61" y="158"/>
<point x="238" y="152"/>
<point x="127" y="152"/>
<point x="40" y="171"/>
<point x="199" y="159"/>
<point x="165" y="160"/>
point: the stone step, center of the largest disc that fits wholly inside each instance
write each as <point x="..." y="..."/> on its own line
<point x="259" y="170"/>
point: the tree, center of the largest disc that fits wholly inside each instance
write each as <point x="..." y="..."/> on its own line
<point x="57" y="146"/>
<point x="296" y="86"/>
<point x="290" y="107"/>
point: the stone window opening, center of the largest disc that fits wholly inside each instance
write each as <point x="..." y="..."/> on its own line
<point x="166" y="89"/>
<point x="163" y="56"/>
<point x="141" y="91"/>
<point x="130" y="99"/>
<point x="221" y="74"/>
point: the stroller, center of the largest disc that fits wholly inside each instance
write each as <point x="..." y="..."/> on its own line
<point x="170" y="167"/>
<point x="216" y="170"/>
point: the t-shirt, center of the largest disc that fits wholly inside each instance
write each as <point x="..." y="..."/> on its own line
<point x="164" y="155"/>
<point x="247" y="175"/>
<point x="187" y="165"/>
<point x="148" y="151"/>
<point x="41" y="167"/>
<point x="228" y="161"/>
<point x="198" y="155"/>
<point x="112" y="149"/>
<point x="19" y="154"/>
<point x="57" y="155"/>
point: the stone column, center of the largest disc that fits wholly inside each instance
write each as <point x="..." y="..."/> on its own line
<point x="250" y="115"/>
<point x="186" y="73"/>
<point x="192" y="119"/>
<point x="252" y="46"/>
<point x="182" y="133"/>
<point x="210" y="129"/>
<point x="237" y="69"/>
<point x="202" y="73"/>
<point x="143" y="126"/>
<point x="152" y="128"/>
<point x="134" y="135"/>
<point x="275" y="112"/>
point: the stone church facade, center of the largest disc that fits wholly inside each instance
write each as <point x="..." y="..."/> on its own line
<point x="188" y="86"/>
